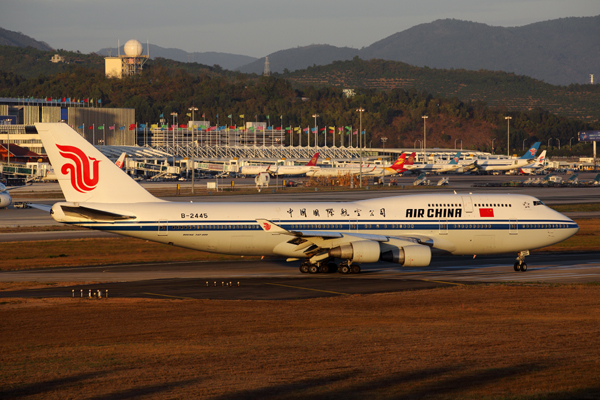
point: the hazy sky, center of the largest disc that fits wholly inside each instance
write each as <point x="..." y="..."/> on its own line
<point x="258" y="27"/>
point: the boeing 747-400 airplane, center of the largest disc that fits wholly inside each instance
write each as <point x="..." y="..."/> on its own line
<point x="406" y="230"/>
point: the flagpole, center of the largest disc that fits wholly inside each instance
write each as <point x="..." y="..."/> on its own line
<point x="94" y="133"/>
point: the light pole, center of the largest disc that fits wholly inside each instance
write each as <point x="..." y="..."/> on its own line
<point x="558" y="143"/>
<point x="508" y="135"/>
<point x="524" y="144"/>
<point x="174" y="114"/>
<point x="493" y="145"/>
<point x="192" y="109"/>
<point x="570" y="147"/>
<point x="549" y="142"/>
<point x="315" y="116"/>
<point x="424" y="136"/>
<point x="383" y="140"/>
<point x="360" y="110"/>
<point x="455" y="140"/>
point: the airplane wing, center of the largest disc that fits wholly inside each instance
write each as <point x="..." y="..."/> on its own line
<point x="320" y="245"/>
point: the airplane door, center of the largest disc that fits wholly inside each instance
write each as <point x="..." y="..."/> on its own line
<point x="163" y="228"/>
<point x="443" y="226"/>
<point x="353" y="225"/>
<point x="513" y="227"/>
<point x="468" y="204"/>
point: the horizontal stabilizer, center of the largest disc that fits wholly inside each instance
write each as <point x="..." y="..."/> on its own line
<point x="93" y="214"/>
<point x="42" y="207"/>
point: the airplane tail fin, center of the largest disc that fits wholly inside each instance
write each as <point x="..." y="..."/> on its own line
<point x="85" y="174"/>
<point x="399" y="163"/>
<point x="313" y="160"/>
<point x="410" y="160"/>
<point x="121" y="161"/>
<point x="530" y="155"/>
<point x="541" y="157"/>
<point x="456" y="159"/>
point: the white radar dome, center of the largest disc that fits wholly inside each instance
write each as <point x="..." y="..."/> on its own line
<point x="133" y="48"/>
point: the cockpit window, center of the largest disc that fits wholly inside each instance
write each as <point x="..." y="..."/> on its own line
<point x="538" y="203"/>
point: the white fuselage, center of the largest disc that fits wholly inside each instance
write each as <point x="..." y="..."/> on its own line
<point x="502" y="165"/>
<point x="277" y="170"/>
<point x="457" y="224"/>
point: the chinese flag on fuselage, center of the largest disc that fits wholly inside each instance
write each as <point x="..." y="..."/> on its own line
<point x="486" y="212"/>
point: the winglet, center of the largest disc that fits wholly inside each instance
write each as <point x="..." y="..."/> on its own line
<point x="269" y="226"/>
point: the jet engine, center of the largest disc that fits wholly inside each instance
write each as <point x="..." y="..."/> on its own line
<point x="5" y="200"/>
<point x="366" y="251"/>
<point x="415" y="255"/>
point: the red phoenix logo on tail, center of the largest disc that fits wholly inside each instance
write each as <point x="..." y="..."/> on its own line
<point x="83" y="171"/>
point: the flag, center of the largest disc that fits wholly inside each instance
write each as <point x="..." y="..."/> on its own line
<point x="203" y="115"/>
<point x="229" y="116"/>
<point x="297" y="129"/>
<point x="101" y="128"/>
<point x="242" y="116"/>
<point x="86" y="100"/>
<point x="68" y="100"/>
<point x="486" y="212"/>
<point x="355" y="132"/>
<point x="164" y="126"/>
<point x="182" y="126"/>
<point x="232" y="127"/>
<point x="313" y="130"/>
<point x="363" y="132"/>
<point x="63" y="99"/>
<point x="332" y="128"/>
<point x="349" y="128"/>
<point x="161" y="116"/>
<point x="99" y="101"/>
<point x="91" y="127"/>
<point x="217" y="115"/>
<point x="48" y="98"/>
<point x="143" y="126"/>
<point x="80" y="127"/>
<point x="322" y="129"/>
<point x="121" y="128"/>
<point x="305" y="130"/>
<point x="131" y="127"/>
<point x="189" y="114"/>
<point x="111" y="127"/>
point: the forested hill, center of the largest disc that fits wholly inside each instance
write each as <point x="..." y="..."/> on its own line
<point x="17" y="39"/>
<point x="497" y="89"/>
<point x="29" y="62"/>
<point x="394" y="114"/>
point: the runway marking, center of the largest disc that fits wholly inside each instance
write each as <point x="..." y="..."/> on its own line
<point x="316" y="290"/>
<point x="166" y="295"/>
<point x="447" y="283"/>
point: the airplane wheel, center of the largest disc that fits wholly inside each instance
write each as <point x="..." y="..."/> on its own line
<point x="344" y="269"/>
<point x="324" y="269"/>
<point x="304" y="268"/>
<point x="313" y="269"/>
<point x="523" y="267"/>
<point x="517" y="267"/>
<point x="355" y="269"/>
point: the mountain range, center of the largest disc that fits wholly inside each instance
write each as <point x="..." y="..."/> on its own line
<point x="561" y="51"/>
<point x="224" y="60"/>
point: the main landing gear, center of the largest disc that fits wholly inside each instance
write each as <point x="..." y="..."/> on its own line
<point x="325" y="267"/>
<point x="520" y="264"/>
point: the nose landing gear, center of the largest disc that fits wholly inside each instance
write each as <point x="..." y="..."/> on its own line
<point x="520" y="264"/>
